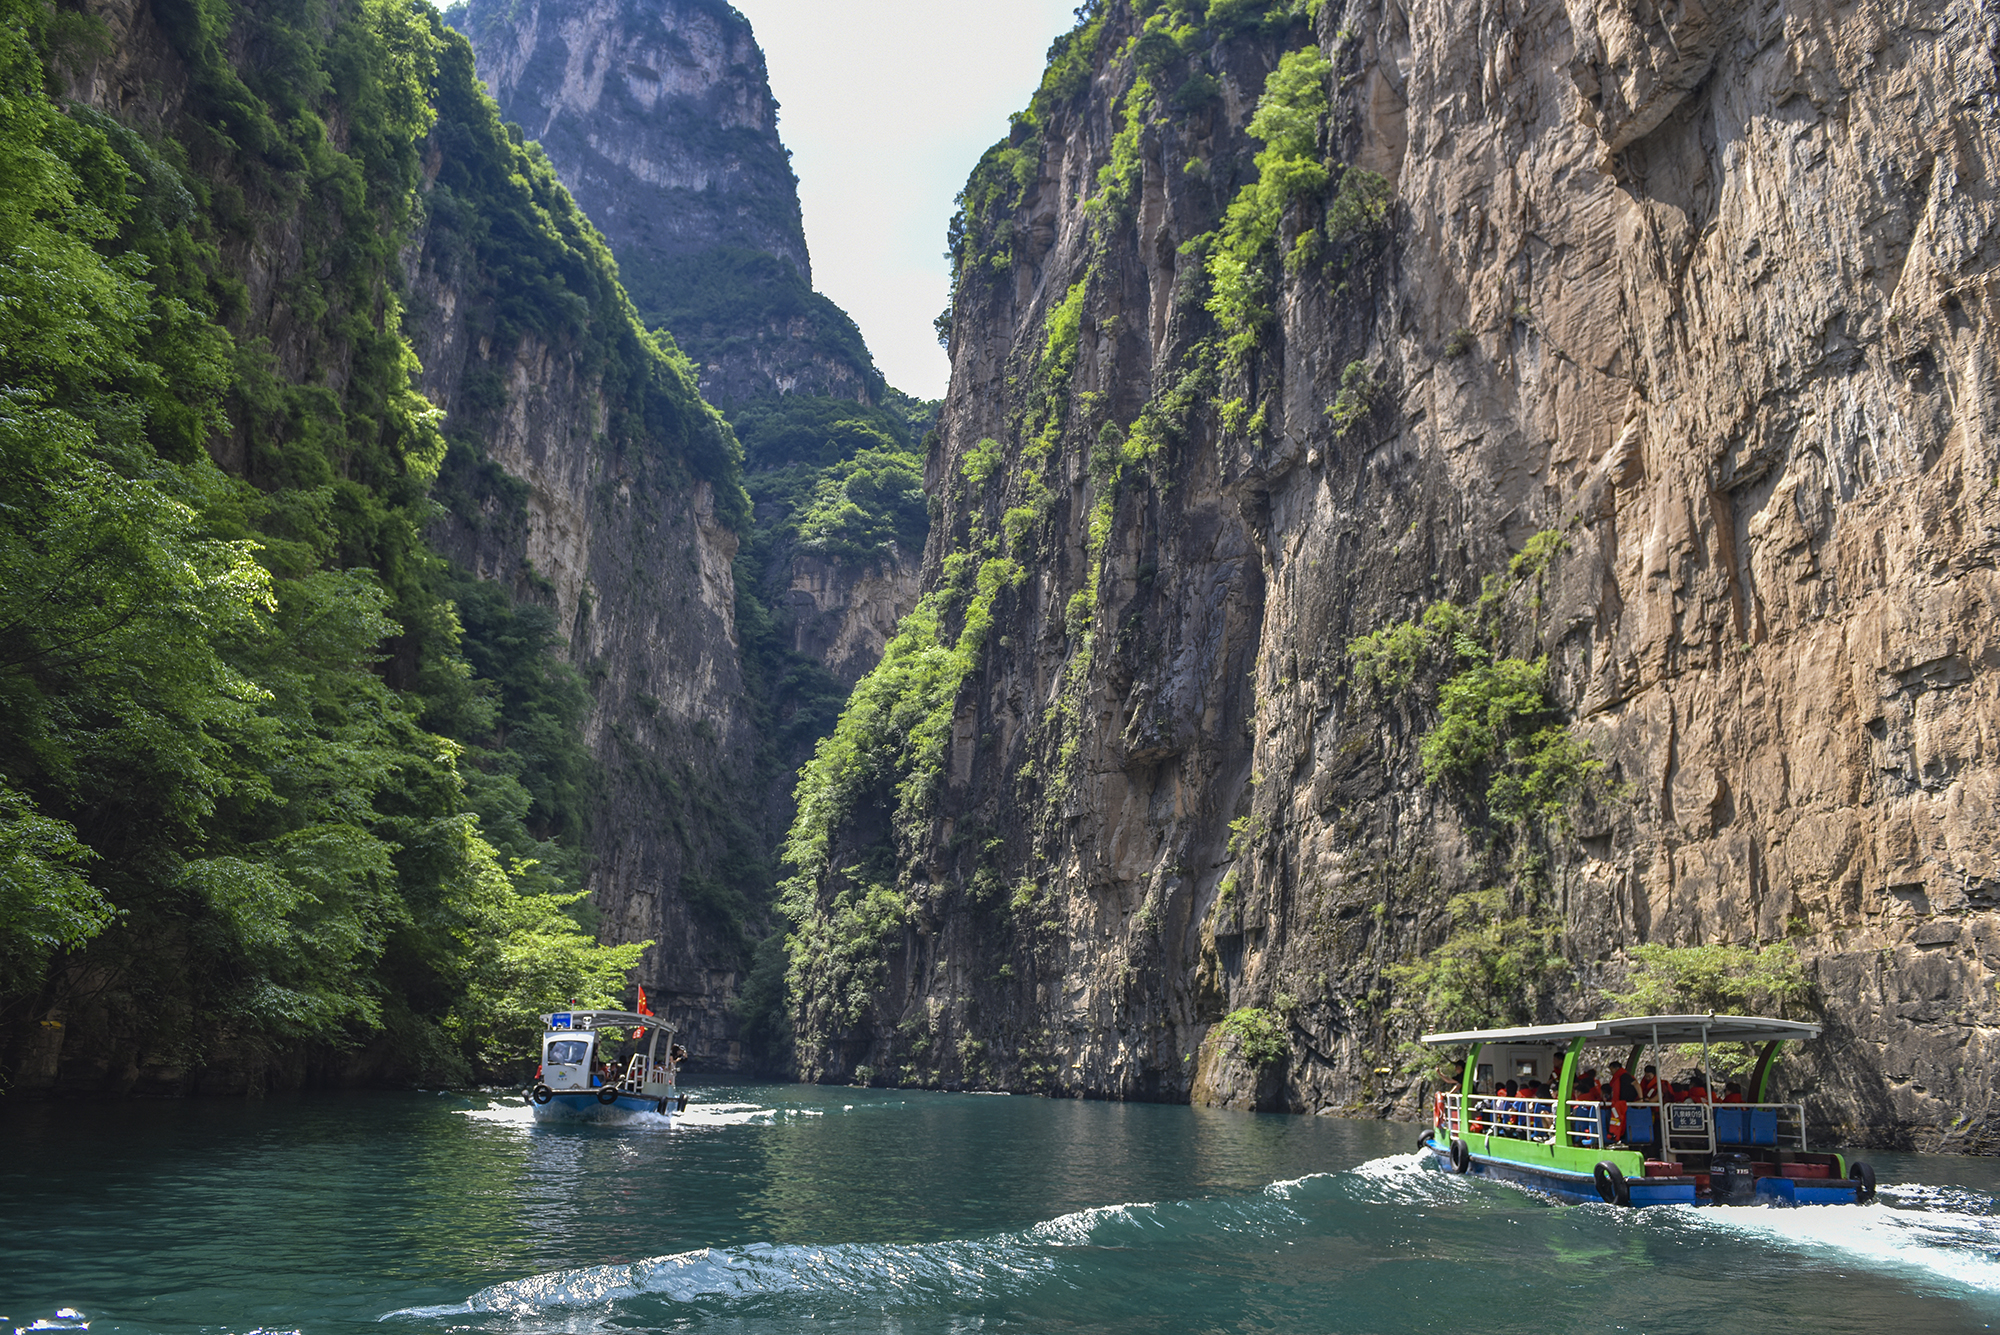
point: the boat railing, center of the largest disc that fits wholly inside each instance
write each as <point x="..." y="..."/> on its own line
<point x="1677" y="1128"/>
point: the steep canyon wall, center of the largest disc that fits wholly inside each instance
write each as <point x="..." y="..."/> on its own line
<point x="660" y="120"/>
<point x="584" y="473"/>
<point x="1701" y="292"/>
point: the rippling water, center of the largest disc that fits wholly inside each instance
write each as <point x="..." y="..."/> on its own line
<point x="773" y="1208"/>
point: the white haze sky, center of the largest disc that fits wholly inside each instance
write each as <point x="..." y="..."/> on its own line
<point x="886" y="106"/>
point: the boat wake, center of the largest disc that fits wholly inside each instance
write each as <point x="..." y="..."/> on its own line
<point x="1320" y="1238"/>
<point x="517" y="1113"/>
<point x="1048" y="1258"/>
<point x="1933" y="1232"/>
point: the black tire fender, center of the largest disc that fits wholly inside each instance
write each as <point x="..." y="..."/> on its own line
<point x="1461" y="1156"/>
<point x="1863" y="1174"/>
<point x="1424" y="1143"/>
<point x="1611" y="1186"/>
<point x="664" y="1106"/>
<point x="608" y="1094"/>
<point x="683" y="1104"/>
<point x="541" y="1094"/>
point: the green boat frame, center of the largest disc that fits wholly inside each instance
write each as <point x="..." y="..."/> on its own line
<point x="1650" y="1153"/>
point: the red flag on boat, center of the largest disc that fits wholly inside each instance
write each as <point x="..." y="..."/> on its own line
<point x="643" y="1009"/>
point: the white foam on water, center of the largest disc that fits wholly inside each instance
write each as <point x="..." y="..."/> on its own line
<point x="1081" y="1228"/>
<point x="1287" y="1188"/>
<point x="1415" y="1178"/>
<point x="729" y="1114"/>
<point x="1952" y="1244"/>
<point x="939" y="1272"/>
<point x="500" y="1114"/>
<point x="901" y="1274"/>
<point x="521" y="1116"/>
<point x="1389" y="1168"/>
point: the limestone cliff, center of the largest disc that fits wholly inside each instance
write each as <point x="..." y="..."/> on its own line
<point x="1699" y="293"/>
<point x="660" y="120"/>
<point x="561" y="485"/>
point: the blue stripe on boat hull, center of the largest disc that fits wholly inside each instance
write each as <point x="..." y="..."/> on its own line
<point x="1806" y="1191"/>
<point x="1574" y="1186"/>
<point x="583" y="1106"/>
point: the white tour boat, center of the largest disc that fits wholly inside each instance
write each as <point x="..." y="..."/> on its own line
<point x="580" y="1078"/>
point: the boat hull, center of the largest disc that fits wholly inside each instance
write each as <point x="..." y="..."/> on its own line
<point x="1571" y="1184"/>
<point x="584" y="1106"/>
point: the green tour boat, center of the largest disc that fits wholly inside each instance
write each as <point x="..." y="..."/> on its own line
<point x="1529" y="1107"/>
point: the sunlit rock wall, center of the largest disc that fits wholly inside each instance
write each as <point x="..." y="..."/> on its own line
<point x="1708" y="290"/>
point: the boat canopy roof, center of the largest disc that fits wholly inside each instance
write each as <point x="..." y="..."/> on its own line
<point x="602" y="1020"/>
<point x="1642" y="1029"/>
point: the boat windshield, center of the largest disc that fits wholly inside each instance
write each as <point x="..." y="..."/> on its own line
<point x="568" y="1052"/>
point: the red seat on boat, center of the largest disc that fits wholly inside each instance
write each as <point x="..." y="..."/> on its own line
<point x="1796" y="1170"/>
<point x="1662" y="1168"/>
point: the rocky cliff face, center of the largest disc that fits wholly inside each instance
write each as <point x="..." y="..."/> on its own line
<point x="660" y="120"/>
<point x="842" y="614"/>
<point x="638" y="569"/>
<point x="1703" y="296"/>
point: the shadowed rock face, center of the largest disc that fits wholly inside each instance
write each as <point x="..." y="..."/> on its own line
<point x="1709" y="292"/>
<point x="658" y="116"/>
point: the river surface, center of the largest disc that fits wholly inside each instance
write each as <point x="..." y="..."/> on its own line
<point x="781" y="1208"/>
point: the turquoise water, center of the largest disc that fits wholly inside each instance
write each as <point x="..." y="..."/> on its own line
<point x="775" y="1208"/>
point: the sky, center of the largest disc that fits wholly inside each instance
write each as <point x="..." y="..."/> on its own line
<point x="886" y="106"/>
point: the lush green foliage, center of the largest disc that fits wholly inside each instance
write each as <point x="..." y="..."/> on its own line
<point x="1357" y="218"/>
<point x="863" y="506"/>
<point x="1358" y="388"/>
<point x="887" y="751"/>
<point x="1496" y="967"/>
<point x="1715" y="979"/>
<point x="1496" y="716"/>
<point x="980" y="463"/>
<point x="1260" y="1035"/>
<point x="226" y="819"/>
<point x="1386" y="661"/>
<point x="1289" y="169"/>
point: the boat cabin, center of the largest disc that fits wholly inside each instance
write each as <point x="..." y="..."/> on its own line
<point x="579" y="1053"/>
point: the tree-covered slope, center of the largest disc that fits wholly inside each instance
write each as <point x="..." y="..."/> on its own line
<point x="261" y="740"/>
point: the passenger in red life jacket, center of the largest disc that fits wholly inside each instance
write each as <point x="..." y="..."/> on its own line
<point x="1696" y="1090"/>
<point x="1587" y="1089"/>
<point x="1732" y="1093"/>
<point x="1649" y="1085"/>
